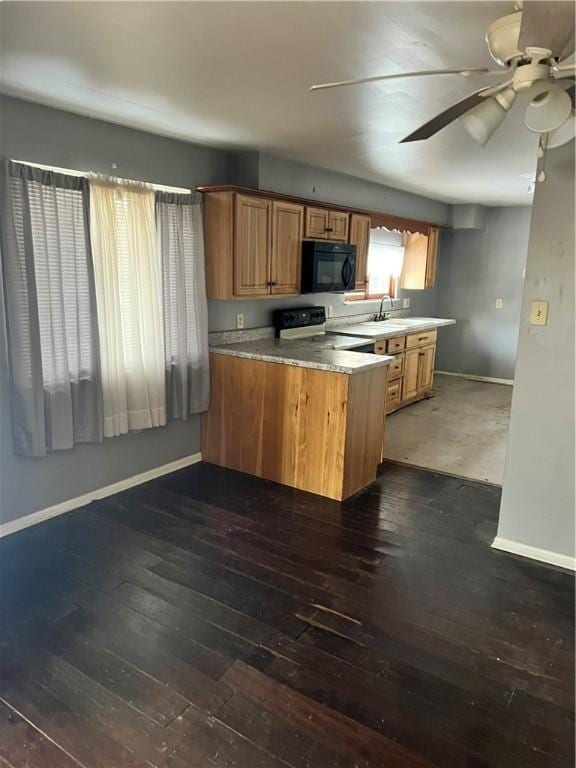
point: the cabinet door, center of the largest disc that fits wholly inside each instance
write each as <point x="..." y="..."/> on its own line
<point x="431" y="257"/>
<point x="415" y="260"/>
<point x="338" y="226"/>
<point x="317" y="223"/>
<point x="360" y="237"/>
<point x="252" y="242"/>
<point x="410" y="380"/>
<point x="425" y="368"/>
<point x="287" y="229"/>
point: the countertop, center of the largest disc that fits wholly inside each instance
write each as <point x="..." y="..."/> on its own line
<point x="387" y="329"/>
<point x="330" y="352"/>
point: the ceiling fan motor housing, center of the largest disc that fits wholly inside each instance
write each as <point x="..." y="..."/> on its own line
<point x="502" y="38"/>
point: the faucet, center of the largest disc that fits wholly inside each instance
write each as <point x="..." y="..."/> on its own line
<point x="383" y="315"/>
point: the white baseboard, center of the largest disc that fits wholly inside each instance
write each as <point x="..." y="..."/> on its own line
<point x="99" y="493"/>
<point x="471" y="377"/>
<point x="534" y="553"/>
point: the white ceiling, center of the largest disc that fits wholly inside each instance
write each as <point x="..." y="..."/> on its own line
<point x="236" y="74"/>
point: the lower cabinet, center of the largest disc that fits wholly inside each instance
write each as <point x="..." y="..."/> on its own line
<point x="410" y="380"/>
<point x="426" y="368"/>
<point x="411" y="374"/>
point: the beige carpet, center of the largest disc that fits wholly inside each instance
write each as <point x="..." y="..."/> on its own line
<point x="462" y="429"/>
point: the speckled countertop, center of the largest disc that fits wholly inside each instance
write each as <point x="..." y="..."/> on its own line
<point x="387" y="329"/>
<point x="327" y="353"/>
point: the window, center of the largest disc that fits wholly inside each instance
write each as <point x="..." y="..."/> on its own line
<point x="385" y="258"/>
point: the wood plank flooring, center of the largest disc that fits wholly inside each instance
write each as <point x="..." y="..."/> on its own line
<point x="211" y="619"/>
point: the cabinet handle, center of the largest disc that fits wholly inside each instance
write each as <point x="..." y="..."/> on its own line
<point x="422" y="338"/>
<point x="329" y="229"/>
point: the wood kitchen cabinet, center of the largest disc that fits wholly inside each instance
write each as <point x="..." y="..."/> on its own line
<point x="412" y="371"/>
<point x="325" y="224"/>
<point x="410" y="378"/>
<point x="252" y="245"/>
<point x="252" y="233"/>
<point x="286" y="254"/>
<point x="420" y="258"/>
<point x="426" y="368"/>
<point x="360" y="237"/>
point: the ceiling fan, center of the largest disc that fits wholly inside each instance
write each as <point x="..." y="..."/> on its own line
<point x="530" y="45"/>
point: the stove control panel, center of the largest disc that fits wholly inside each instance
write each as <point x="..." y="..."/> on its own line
<point x="300" y="317"/>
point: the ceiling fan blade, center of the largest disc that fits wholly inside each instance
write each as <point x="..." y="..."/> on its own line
<point x="399" y="75"/>
<point x="453" y="113"/>
<point x="547" y="24"/>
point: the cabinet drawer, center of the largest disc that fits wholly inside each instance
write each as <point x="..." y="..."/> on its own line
<point x="420" y="339"/>
<point x="395" y="368"/>
<point x="396" y="345"/>
<point x="379" y="347"/>
<point x="393" y="394"/>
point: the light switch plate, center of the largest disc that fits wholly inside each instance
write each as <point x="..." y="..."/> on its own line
<point x="539" y="313"/>
<point x="406" y="304"/>
<point x="499" y="303"/>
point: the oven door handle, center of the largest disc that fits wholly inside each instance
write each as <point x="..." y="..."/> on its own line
<point x="346" y="272"/>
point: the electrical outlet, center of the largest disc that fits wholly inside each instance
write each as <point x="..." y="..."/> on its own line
<point x="499" y="303"/>
<point x="539" y="313"/>
<point x="239" y="320"/>
<point x="330" y="309"/>
<point x="406" y="304"/>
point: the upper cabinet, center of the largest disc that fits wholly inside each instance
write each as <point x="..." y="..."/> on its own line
<point x="360" y="237"/>
<point x="252" y="233"/>
<point x="420" y="256"/>
<point x="252" y="245"/>
<point x="286" y="254"/>
<point x="325" y="224"/>
<point x="253" y="242"/>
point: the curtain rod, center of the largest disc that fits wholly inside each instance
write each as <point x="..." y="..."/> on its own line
<point x="85" y="174"/>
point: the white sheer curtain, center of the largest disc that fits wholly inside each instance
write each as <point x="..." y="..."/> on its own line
<point x="128" y="278"/>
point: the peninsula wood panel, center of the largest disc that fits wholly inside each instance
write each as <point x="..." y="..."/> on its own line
<point x="311" y="429"/>
<point x="287" y="233"/>
<point x="252" y="233"/>
<point x="360" y="237"/>
<point x="365" y="415"/>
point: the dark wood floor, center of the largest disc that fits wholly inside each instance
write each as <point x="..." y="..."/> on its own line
<point x="212" y="619"/>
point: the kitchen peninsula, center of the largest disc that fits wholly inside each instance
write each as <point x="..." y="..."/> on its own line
<point x="311" y="418"/>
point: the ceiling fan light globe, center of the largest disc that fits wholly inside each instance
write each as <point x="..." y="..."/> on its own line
<point x="482" y="122"/>
<point x="502" y="38"/>
<point x="562" y="135"/>
<point x="548" y="110"/>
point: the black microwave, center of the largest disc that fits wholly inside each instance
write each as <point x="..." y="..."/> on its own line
<point x="327" y="266"/>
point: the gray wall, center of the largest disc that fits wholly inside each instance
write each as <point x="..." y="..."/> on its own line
<point x="39" y="134"/>
<point x="538" y="505"/>
<point x="476" y="267"/>
<point x="293" y="178"/>
<point x="35" y="133"/>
